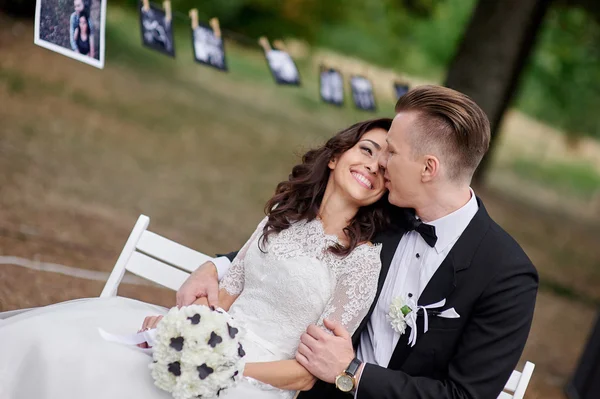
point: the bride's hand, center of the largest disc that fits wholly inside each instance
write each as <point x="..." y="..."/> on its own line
<point x="149" y="323"/>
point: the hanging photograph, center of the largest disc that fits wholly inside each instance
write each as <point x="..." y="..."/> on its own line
<point x="157" y="29"/>
<point x="331" y="86"/>
<point x="400" y="89"/>
<point x="72" y="28"/>
<point x="362" y="93"/>
<point x="208" y="47"/>
<point x="283" y="67"/>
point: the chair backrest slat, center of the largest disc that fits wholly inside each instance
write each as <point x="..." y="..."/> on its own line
<point x="513" y="381"/>
<point x="156" y="271"/>
<point x="170" y="252"/>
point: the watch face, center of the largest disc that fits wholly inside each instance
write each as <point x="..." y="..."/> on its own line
<point x="344" y="383"/>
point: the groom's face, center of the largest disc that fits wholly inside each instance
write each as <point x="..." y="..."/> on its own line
<point x="404" y="169"/>
<point x="78" y="4"/>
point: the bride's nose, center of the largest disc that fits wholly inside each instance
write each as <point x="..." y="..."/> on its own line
<point x="372" y="168"/>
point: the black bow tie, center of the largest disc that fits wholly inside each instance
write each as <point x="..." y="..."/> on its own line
<point x="427" y="231"/>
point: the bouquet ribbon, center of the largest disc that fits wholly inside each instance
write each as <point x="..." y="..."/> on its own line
<point x="148" y="336"/>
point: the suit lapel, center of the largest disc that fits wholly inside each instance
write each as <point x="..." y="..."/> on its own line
<point x="443" y="282"/>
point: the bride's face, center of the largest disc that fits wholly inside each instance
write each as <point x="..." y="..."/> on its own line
<point x="357" y="174"/>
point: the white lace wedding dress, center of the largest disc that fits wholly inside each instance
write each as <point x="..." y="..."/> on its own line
<point x="284" y="286"/>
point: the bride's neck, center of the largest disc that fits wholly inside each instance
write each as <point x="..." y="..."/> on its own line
<point x="335" y="213"/>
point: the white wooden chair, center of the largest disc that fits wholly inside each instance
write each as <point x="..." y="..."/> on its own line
<point x="517" y="383"/>
<point x="168" y="263"/>
<point x="154" y="258"/>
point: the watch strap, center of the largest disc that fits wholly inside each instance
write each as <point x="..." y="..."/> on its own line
<point x="352" y="368"/>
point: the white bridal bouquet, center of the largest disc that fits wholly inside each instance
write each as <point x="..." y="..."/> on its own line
<point x="197" y="352"/>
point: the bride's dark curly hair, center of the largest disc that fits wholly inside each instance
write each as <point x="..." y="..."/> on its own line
<point x="299" y="198"/>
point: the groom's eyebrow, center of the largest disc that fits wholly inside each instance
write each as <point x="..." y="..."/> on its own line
<point x="374" y="143"/>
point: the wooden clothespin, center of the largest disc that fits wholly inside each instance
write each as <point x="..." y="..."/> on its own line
<point x="146" y="5"/>
<point x="214" y="24"/>
<point x="264" y="43"/>
<point x="279" y="45"/>
<point x="194" y="17"/>
<point x="168" y="12"/>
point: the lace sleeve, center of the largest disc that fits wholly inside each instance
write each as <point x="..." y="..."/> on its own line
<point x="233" y="281"/>
<point x="354" y="291"/>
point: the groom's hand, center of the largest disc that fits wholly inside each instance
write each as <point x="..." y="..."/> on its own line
<point x="203" y="282"/>
<point x="324" y="355"/>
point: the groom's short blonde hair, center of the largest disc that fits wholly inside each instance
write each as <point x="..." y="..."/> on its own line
<point x="451" y="123"/>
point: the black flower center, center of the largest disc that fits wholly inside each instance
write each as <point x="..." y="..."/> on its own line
<point x="175" y="368"/>
<point x="177" y="343"/>
<point x="204" y="371"/>
<point x="232" y="331"/>
<point x="195" y="319"/>
<point x="214" y="339"/>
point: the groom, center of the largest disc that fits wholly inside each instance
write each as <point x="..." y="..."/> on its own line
<point x="469" y="283"/>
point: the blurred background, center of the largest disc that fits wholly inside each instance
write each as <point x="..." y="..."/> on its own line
<point x="83" y="151"/>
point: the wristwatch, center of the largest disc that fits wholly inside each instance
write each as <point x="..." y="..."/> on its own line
<point x="346" y="382"/>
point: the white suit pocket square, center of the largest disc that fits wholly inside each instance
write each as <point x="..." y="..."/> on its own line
<point x="449" y="314"/>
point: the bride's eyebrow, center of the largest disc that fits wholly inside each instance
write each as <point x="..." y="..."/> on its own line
<point x="377" y="146"/>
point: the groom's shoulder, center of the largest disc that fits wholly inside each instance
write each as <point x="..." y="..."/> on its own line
<point x="503" y="251"/>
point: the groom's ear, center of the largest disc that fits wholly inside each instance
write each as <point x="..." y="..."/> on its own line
<point x="431" y="168"/>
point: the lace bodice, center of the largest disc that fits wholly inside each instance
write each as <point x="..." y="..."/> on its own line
<point x="295" y="281"/>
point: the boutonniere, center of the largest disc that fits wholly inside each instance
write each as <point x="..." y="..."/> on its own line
<point x="403" y="312"/>
<point x="400" y="308"/>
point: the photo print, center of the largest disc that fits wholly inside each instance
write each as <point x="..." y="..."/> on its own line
<point x="157" y="28"/>
<point x="207" y="42"/>
<point x="331" y="86"/>
<point x="400" y="89"/>
<point x="362" y="93"/>
<point x="283" y="68"/>
<point x="74" y="28"/>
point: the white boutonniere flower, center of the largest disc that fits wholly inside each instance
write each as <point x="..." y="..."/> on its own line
<point x="399" y="309"/>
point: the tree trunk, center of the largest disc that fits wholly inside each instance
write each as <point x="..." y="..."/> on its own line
<point x="491" y="56"/>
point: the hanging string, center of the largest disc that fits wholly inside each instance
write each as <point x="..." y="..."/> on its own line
<point x="238" y="37"/>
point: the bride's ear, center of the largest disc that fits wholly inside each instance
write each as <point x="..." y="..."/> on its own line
<point x="332" y="163"/>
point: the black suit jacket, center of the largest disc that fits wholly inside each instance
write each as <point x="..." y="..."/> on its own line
<point x="492" y="284"/>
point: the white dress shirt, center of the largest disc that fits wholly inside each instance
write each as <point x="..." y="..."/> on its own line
<point x="413" y="265"/>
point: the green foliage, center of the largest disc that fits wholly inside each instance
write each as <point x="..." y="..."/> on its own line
<point x="580" y="178"/>
<point x="561" y="84"/>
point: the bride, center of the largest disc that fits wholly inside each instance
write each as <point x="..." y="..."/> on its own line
<point x="310" y="259"/>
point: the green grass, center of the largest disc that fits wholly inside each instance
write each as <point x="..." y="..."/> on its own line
<point x="581" y="179"/>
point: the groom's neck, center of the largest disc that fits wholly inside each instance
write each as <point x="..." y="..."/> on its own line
<point x="442" y="201"/>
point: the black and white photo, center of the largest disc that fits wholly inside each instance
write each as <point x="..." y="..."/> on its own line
<point x="362" y="93"/>
<point x="208" y="47"/>
<point x="400" y="89"/>
<point x="74" y="28"/>
<point x="331" y="86"/>
<point x="282" y="67"/>
<point x="157" y="29"/>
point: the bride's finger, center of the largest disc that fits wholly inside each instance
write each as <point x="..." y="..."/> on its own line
<point x="145" y="323"/>
<point x="155" y="322"/>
